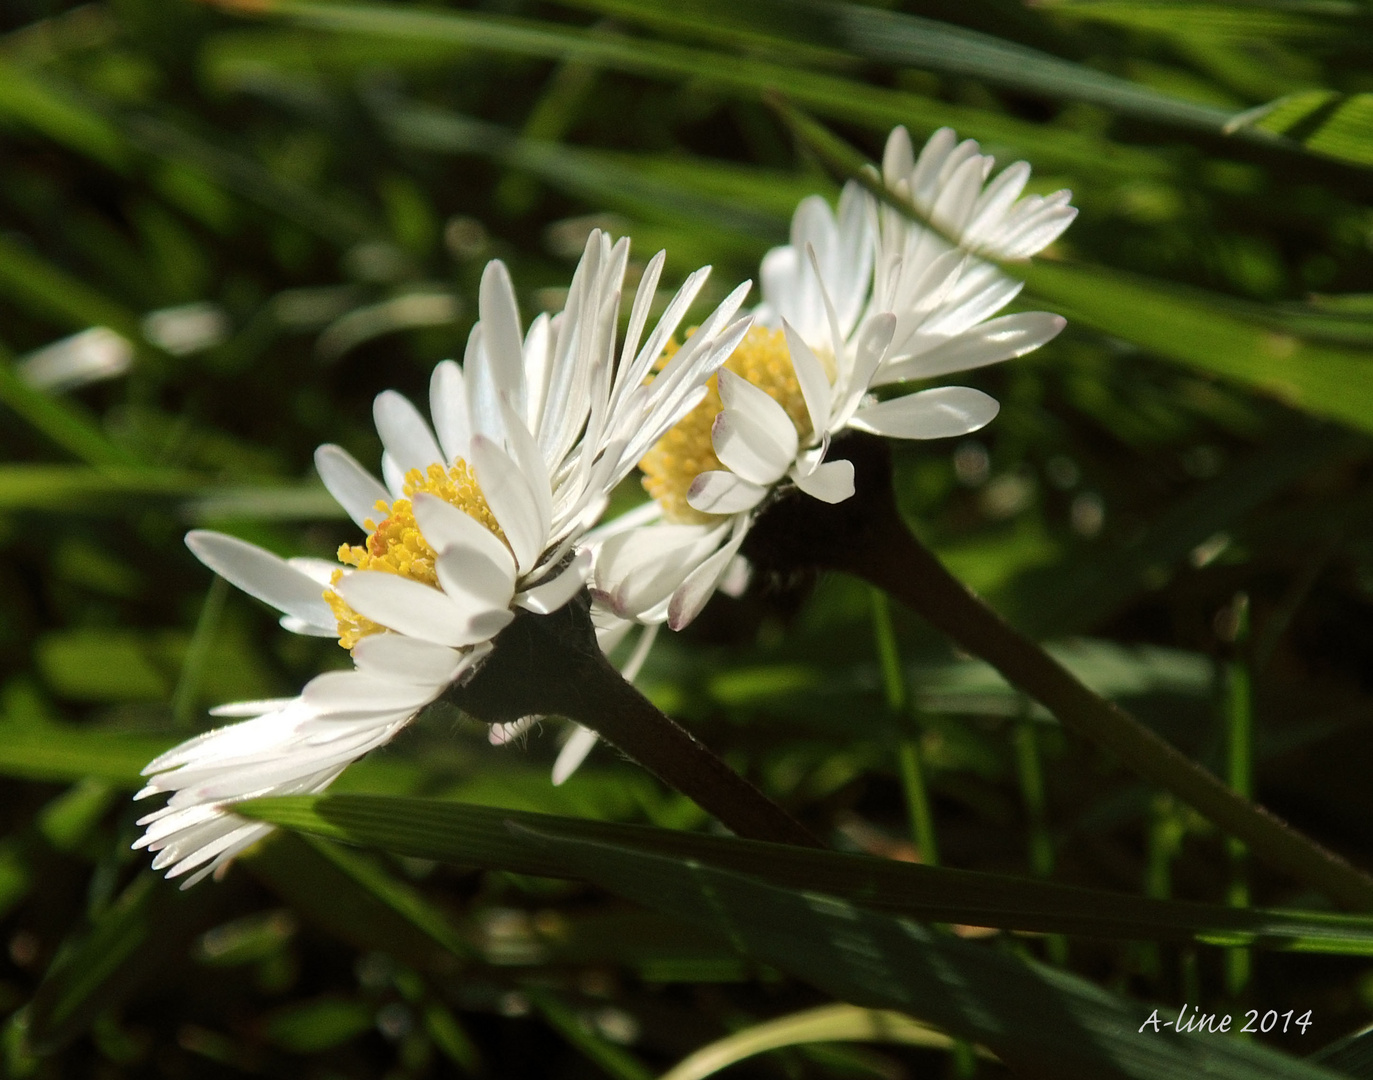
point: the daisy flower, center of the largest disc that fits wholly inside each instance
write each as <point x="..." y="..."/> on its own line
<point x="479" y="515"/>
<point x="860" y="299"/>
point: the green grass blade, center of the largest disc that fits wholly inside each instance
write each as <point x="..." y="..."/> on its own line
<point x="481" y="836"/>
<point x="1035" y="1019"/>
<point x="829" y="95"/>
<point x="871" y="33"/>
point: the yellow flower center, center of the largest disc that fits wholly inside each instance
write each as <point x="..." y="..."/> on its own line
<point x="686" y="451"/>
<point x="397" y="546"/>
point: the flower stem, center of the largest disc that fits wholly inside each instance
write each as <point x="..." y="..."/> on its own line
<point x="550" y="665"/>
<point x="867" y="537"/>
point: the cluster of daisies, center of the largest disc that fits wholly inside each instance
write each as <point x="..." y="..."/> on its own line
<point x="495" y="504"/>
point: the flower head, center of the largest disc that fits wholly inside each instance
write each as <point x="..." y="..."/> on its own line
<point x="481" y="514"/>
<point x="861" y="299"/>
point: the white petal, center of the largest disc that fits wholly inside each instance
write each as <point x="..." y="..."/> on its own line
<point x="830" y="482"/>
<point x="513" y="504"/>
<point x="250" y="708"/>
<point x="345" y="693"/>
<point x="448" y="407"/>
<point x="411" y="608"/>
<point x="718" y="492"/>
<point x="942" y="413"/>
<point x="810" y="374"/>
<point x="352" y="486"/>
<point x="873" y="339"/>
<point x="261" y="574"/>
<point x="700" y="584"/>
<point x="992" y="342"/>
<point x="443" y="526"/>
<point x="754" y="436"/>
<point x="551" y="594"/>
<point x="573" y="753"/>
<point x="320" y="571"/>
<point x="478" y="586"/>
<point x="293" y="625"/>
<point x="404" y="432"/>
<point x="500" y="320"/>
<point x="531" y="465"/>
<point x="406" y="659"/>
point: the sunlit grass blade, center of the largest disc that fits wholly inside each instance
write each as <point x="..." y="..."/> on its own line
<point x="827" y="1023"/>
<point x="1335" y="125"/>
<point x="1186" y="326"/>
<point x="481" y="836"/>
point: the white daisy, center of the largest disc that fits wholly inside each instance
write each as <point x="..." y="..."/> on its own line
<point x="479" y="515"/>
<point x="856" y="301"/>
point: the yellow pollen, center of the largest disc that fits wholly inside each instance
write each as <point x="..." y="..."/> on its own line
<point x="686" y="451"/>
<point x="397" y="546"/>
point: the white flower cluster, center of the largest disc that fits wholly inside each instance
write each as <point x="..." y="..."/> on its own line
<point x="496" y="507"/>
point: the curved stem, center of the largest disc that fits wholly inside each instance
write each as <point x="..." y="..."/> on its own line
<point x="867" y="537"/>
<point x="626" y="719"/>
<point x="550" y="665"/>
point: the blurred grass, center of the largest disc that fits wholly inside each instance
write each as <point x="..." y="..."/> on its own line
<point x="330" y="179"/>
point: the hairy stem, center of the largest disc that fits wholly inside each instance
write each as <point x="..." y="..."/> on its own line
<point x="551" y="666"/>
<point x="866" y="536"/>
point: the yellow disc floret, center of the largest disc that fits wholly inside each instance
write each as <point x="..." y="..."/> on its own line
<point x="686" y="451"/>
<point x="397" y="546"/>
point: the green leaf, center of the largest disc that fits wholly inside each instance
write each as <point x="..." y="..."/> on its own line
<point x="1036" y="1019"/>
<point x="482" y="836"/>
<point x="65" y="753"/>
<point x="310" y="1027"/>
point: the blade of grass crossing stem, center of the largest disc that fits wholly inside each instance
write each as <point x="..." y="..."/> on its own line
<point x="827" y="1023"/>
<point x="1038" y="1020"/>
<point x="614" y="1061"/>
<point x="482" y="836"/>
<point x="1166" y="831"/>
<point x="1030" y="774"/>
<point x="1239" y="760"/>
<point x="912" y="772"/>
<point x="908" y="748"/>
